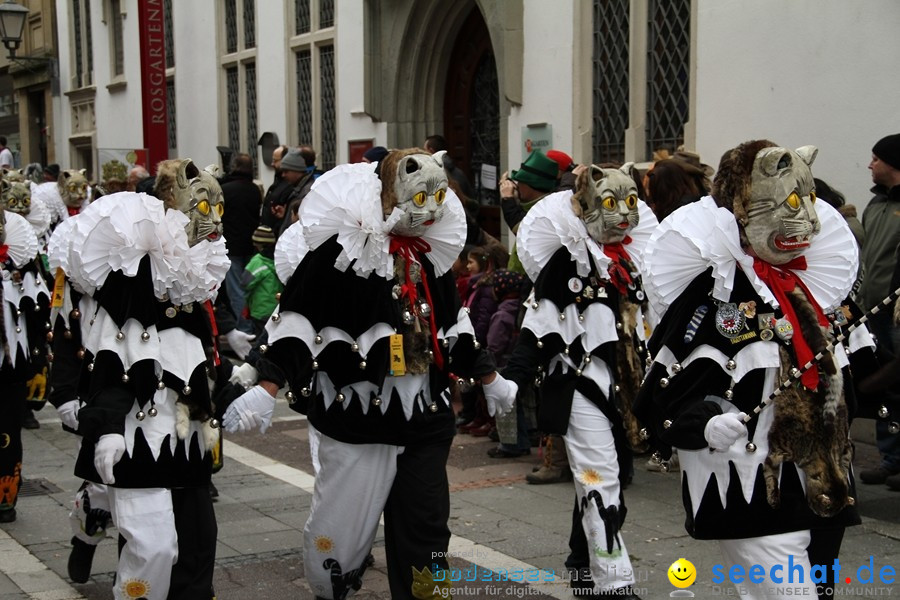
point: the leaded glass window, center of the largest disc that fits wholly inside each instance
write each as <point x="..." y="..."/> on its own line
<point x="328" y="154"/>
<point x="232" y="91"/>
<point x="118" y="44"/>
<point x="304" y="97"/>
<point x="610" y="81"/>
<point x="668" y="68"/>
<point x="169" y="39"/>
<point x="326" y="13"/>
<point x="485" y="125"/>
<point x="170" y="108"/>
<point x="249" y="24"/>
<point x="231" y="40"/>
<point x="301" y="17"/>
<point x="250" y="87"/>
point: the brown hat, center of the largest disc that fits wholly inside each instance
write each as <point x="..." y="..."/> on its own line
<point x="693" y="159"/>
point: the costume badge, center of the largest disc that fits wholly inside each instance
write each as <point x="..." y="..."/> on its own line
<point x="59" y="288"/>
<point x="398" y="361"/>
<point x="784" y="330"/>
<point x="588" y="293"/>
<point x="575" y="285"/>
<point x="730" y="320"/>
<point x="639" y="294"/>
<point x="840" y="317"/>
<point x="766" y="320"/>
<point x="748" y="308"/>
<point x="766" y="334"/>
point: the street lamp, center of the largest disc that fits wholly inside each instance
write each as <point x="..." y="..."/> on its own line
<point x="12" y="24"/>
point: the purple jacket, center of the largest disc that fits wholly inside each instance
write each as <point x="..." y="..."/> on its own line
<point x="502" y="332"/>
<point x="481" y="305"/>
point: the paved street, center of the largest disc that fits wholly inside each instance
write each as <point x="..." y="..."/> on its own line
<point x="499" y="523"/>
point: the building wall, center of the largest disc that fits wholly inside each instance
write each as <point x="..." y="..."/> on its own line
<point x="820" y="72"/>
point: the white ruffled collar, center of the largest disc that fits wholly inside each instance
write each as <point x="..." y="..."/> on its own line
<point x="117" y="231"/>
<point x="22" y="244"/>
<point x="552" y="224"/>
<point x="347" y="201"/>
<point x="702" y="235"/>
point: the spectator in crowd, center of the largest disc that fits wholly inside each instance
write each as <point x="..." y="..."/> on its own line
<point x="277" y="194"/>
<point x="881" y="221"/>
<point x="241" y="217"/>
<point x="260" y="279"/>
<point x="672" y="183"/>
<point x="309" y="156"/>
<point x="6" y="156"/>
<point x="374" y="155"/>
<point x="503" y="332"/>
<point x="294" y="169"/>
<point x="137" y="174"/>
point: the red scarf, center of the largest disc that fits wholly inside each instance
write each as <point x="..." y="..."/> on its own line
<point x="215" y="331"/>
<point x="618" y="274"/>
<point x="73" y="211"/>
<point x="781" y="279"/>
<point x="412" y="249"/>
<point x="4" y="253"/>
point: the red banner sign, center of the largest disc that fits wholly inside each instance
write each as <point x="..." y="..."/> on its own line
<point x="153" y="80"/>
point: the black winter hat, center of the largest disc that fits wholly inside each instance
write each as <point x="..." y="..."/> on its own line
<point x="887" y="149"/>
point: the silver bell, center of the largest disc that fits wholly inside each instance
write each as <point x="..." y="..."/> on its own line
<point x="340" y="397"/>
<point x="433" y="407"/>
<point x="664" y="382"/>
<point x="214" y="423"/>
<point x="90" y="366"/>
<point x="667" y="423"/>
<point x="120" y="336"/>
<point x="540" y="344"/>
<point x="318" y="339"/>
<point x="276" y="317"/>
<point x="751" y="447"/>
<point x="289" y="396"/>
<point x="577" y="372"/>
<point x="145" y="337"/>
<point x="644" y="434"/>
<point x="562" y="316"/>
<point x="125" y="378"/>
<point x="731" y="365"/>
<point x="424" y="309"/>
<point x="362" y="364"/>
<point x="729" y="394"/>
<point x="795" y="373"/>
<point x="676" y="368"/>
<point x="315" y="365"/>
<point x="894" y="427"/>
<point x="186" y="390"/>
<point x="160" y="385"/>
<point x="263" y="348"/>
<point x="152" y="412"/>
<point x="883" y="412"/>
<point x="305" y="392"/>
<point x="476" y="344"/>
<point x="354" y="347"/>
<point x="376" y="401"/>
<point x="396" y="291"/>
<point x="407" y="317"/>
<point x="140" y="415"/>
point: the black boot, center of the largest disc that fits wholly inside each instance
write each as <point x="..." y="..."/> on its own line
<point x="80" y="560"/>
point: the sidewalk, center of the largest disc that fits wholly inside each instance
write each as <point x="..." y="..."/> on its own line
<point x="499" y="522"/>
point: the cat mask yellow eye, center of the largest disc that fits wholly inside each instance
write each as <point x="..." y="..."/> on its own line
<point x="793" y="201"/>
<point x="439" y="196"/>
<point x="419" y="199"/>
<point x="631" y="202"/>
<point x="609" y="203"/>
<point x="203" y="208"/>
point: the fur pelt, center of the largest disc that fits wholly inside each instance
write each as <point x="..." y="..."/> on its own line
<point x="387" y="172"/>
<point x="629" y="372"/>
<point x="731" y="187"/>
<point x="172" y="174"/>
<point x="811" y="427"/>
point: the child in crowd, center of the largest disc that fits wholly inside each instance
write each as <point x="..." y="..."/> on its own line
<point x="260" y="280"/>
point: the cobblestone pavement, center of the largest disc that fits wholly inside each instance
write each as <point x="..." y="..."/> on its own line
<point x="499" y="523"/>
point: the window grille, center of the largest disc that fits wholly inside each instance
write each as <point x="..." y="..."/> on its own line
<point x="328" y="154"/>
<point x="250" y="87"/>
<point x="232" y="90"/>
<point x="668" y="64"/>
<point x="610" y="81"/>
<point x="485" y="125"/>
<point x="304" y="97"/>
<point x="169" y="40"/>
<point x="326" y="13"/>
<point x="231" y="38"/>
<point x="249" y="24"/>
<point x="301" y="17"/>
<point x="170" y="108"/>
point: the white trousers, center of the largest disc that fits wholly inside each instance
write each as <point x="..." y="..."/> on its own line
<point x="144" y="517"/>
<point x="353" y="482"/>
<point x="595" y="469"/>
<point x="769" y="551"/>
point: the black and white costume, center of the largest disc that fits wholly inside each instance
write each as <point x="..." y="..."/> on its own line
<point x="368" y="328"/>
<point x="146" y="415"/>
<point x="575" y="319"/>
<point x="25" y="307"/>
<point x="723" y="345"/>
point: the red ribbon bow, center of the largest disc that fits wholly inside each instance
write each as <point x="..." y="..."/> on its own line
<point x="72" y="210"/>
<point x="618" y="274"/>
<point x="781" y="279"/>
<point x="4" y="253"/>
<point x="411" y="249"/>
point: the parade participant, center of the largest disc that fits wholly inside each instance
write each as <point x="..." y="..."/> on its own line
<point x="66" y="197"/>
<point x="582" y="328"/>
<point x="146" y="416"/>
<point x="24" y="300"/>
<point x="364" y="336"/>
<point x="744" y="280"/>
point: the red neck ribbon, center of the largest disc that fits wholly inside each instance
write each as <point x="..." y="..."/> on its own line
<point x="215" y="330"/>
<point x="4" y="253"/>
<point x="412" y="249"/>
<point x="72" y="211"/>
<point x="618" y="274"/>
<point x="781" y="279"/>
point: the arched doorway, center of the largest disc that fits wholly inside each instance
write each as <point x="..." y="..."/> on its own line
<point x="472" y="113"/>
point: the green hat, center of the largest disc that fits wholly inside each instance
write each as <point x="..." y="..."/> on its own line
<point x="538" y="171"/>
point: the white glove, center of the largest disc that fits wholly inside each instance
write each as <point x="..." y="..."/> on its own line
<point x="109" y="450"/>
<point x="244" y="375"/>
<point x="251" y="409"/>
<point x="240" y="342"/>
<point x="500" y="395"/>
<point x="68" y="413"/>
<point x="723" y="430"/>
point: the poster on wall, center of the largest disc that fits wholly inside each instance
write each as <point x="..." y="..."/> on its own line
<point x="538" y="136"/>
<point x="116" y="162"/>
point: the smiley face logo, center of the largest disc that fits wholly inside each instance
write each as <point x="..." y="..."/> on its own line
<point x="682" y="573"/>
